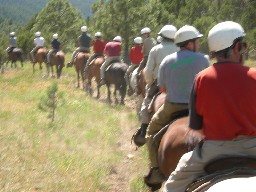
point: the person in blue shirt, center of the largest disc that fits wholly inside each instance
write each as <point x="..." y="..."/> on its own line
<point x="84" y="42"/>
<point x="55" y="46"/>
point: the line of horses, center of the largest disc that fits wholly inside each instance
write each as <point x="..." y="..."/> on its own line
<point x="57" y="59"/>
<point x="114" y="74"/>
<point x="175" y="138"/>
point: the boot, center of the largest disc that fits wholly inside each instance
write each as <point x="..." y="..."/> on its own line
<point x="154" y="176"/>
<point x="139" y="136"/>
<point x="102" y="82"/>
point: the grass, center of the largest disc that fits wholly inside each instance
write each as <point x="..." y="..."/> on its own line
<point x="75" y="153"/>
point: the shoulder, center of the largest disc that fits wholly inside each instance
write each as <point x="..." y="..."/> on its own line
<point x="172" y="58"/>
<point x="156" y="47"/>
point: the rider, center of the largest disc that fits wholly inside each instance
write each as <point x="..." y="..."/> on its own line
<point x="156" y="55"/>
<point x="136" y="56"/>
<point x="84" y="42"/>
<point x="113" y="53"/>
<point x="12" y="42"/>
<point x="39" y="43"/>
<point x="222" y="107"/>
<point x="55" y="46"/>
<point x="98" y="48"/>
<point x="175" y="78"/>
<point x="148" y="44"/>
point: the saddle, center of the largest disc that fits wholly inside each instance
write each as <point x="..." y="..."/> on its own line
<point x="177" y="115"/>
<point x="16" y="50"/>
<point x="111" y="63"/>
<point x="84" y="51"/>
<point x="99" y="56"/>
<point x="222" y="169"/>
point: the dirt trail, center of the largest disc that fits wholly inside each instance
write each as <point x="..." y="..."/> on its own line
<point x="122" y="173"/>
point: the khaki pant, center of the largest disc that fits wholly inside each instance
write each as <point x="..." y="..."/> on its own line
<point x="106" y="64"/>
<point x="78" y="50"/>
<point x="130" y="69"/>
<point x="158" y="121"/>
<point x="191" y="165"/>
<point x="151" y="90"/>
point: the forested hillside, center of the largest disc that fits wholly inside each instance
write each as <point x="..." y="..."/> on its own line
<point x="57" y="17"/>
<point x="21" y="11"/>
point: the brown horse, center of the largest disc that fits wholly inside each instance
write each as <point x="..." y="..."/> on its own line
<point x="15" y="55"/>
<point x="79" y="63"/>
<point x="93" y="71"/>
<point x="57" y="59"/>
<point x="40" y="57"/>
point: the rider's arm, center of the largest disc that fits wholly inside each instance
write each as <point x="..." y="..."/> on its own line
<point x="195" y="119"/>
<point x="149" y="69"/>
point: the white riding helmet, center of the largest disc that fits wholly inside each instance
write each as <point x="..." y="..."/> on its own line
<point x="222" y="35"/>
<point x="168" y="31"/>
<point x="138" y="40"/>
<point x="97" y="34"/>
<point x="55" y="36"/>
<point x="186" y="33"/>
<point x="83" y="28"/>
<point x="12" y="34"/>
<point x="145" y="30"/>
<point x="38" y="34"/>
<point x="118" y="38"/>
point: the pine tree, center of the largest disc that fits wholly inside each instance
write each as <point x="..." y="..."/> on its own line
<point x="51" y="101"/>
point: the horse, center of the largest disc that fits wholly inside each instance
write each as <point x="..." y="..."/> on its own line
<point x="57" y="59"/>
<point x="93" y="71"/>
<point x="115" y="75"/>
<point x="138" y="85"/>
<point x="139" y="82"/>
<point x="40" y="57"/>
<point x="79" y="63"/>
<point x="15" y="55"/>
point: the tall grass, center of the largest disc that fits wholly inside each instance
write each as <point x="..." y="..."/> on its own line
<point x="76" y="153"/>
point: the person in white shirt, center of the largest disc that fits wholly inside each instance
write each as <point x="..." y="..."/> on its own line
<point x="39" y="43"/>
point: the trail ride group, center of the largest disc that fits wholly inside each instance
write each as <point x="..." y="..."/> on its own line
<point x="197" y="119"/>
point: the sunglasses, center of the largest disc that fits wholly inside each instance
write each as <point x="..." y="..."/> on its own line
<point x="242" y="45"/>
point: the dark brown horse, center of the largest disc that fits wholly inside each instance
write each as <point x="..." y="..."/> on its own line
<point x="115" y="75"/>
<point x="57" y="59"/>
<point x="40" y="57"/>
<point x="93" y="71"/>
<point x="15" y="55"/>
<point x="79" y="63"/>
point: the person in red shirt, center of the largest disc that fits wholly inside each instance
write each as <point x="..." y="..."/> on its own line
<point x="98" y="48"/>
<point x="222" y="107"/>
<point x="136" y="56"/>
<point x="112" y="52"/>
